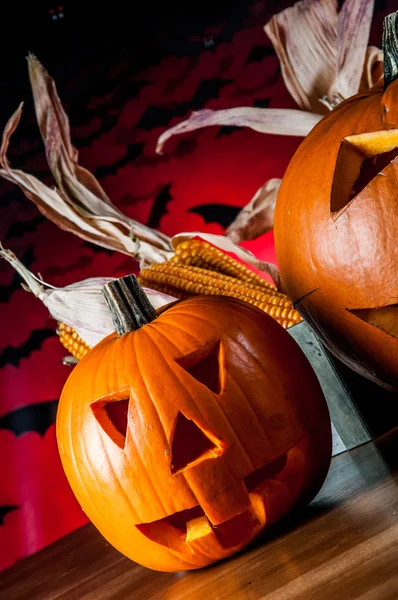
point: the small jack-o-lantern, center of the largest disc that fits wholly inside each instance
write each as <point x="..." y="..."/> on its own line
<point x="336" y="226"/>
<point x="184" y="437"/>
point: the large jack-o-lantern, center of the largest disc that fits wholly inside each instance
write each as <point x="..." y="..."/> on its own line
<point x="189" y="434"/>
<point x="336" y="226"/>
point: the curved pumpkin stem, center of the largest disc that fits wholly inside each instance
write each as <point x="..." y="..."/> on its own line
<point x="128" y="304"/>
<point x="390" y="48"/>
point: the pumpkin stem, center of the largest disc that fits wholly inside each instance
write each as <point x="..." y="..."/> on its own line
<point x="128" y="303"/>
<point x="390" y="48"/>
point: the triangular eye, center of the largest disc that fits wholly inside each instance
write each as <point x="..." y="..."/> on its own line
<point x="190" y="445"/>
<point x="117" y="413"/>
<point x="384" y="318"/>
<point x="361" y="159"/>
<point x="204" y="366"/>
<point x="112" y="415"/>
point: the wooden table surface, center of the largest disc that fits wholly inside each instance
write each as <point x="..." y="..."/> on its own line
<point x="343" y="546"/>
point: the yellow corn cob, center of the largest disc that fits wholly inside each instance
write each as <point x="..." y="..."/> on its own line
<point x="71" y="341"/>
<point x="193" y="281"/>
<point x="200" y="268"/>
<point x="204" y="255"/>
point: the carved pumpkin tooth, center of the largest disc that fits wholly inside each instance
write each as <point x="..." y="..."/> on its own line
<point x="269" y="501"/>
<point x="201" y="538"/>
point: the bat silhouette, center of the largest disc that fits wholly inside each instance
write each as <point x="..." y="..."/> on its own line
<point x="227" y="130"/>
<point x="223" y="214"/>
<point x="82" y="261"/>
<point x="159" y="207"/>
<point x="96" y="248"/>
<point x="262" y="102"/>
<point x="133" y="151"/>
<point x="36" y="417"/>
<point x="18" y="228"/>
<point x="160" y="116"/>
<point x="108" y="113"/>
<point x="6" y="291"/>
<point x="172" y="84"/>
<point x="13" y="356"/>
<point x="23" y="154"/>
<point x="4" y="510"/>
<point x="258" y="53"/>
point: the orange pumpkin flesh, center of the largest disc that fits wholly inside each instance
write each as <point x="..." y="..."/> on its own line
<point x="184" y="439"/>
<point x="336" y="230"/>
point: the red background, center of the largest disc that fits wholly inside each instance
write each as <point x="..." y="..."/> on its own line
<point x="119" y="104"/>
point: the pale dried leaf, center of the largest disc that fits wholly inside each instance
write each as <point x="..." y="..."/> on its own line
<point x="373" y="69"/>
<point x="78" y="184"/>
<point x="90" y="218"/>
<point x="80" y="305"/>
<point x="50" y="202"/>
<point x="48" y="107"/>
<point x="278" y="121"/>
<point x="257" y="217"/>
<point x="322" y="51"/>
<point x="227" y="245"/>
<point x="353" y="29"/>
<point x="304" y="37"/>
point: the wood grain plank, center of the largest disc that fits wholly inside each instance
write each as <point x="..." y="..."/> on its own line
<point x="344" y="545"/>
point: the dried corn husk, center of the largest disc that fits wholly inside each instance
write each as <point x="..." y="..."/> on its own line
<point x="323" y="51"/>
<point x="324" y="59"/>
<point x="323" y="56"/>
<point x="257" y="217"/>
<point x="78" y="204"/>
<point x="80" y="305"/>
<point x="311" y="29"/>
<point x="280" y="121"/>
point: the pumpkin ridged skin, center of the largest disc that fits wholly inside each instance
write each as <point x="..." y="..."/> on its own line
<point x="264" y="376"/>
<point x="334" y="263"/>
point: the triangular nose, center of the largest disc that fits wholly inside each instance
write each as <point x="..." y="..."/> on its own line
<point x="190" y="444"/>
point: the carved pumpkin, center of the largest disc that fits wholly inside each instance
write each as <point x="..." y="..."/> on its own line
<point x="336" y="230"/>
<point x="185" y="438"/>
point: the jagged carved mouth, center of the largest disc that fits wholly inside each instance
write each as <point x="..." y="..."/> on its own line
<point x="192" y="527"/>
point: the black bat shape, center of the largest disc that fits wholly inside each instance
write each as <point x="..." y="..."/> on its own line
<point x="4" y="510"/>
<point x="13" y="356"/>
<point x="18" y="228"/>
<point x="258" y="53"/>
<point x="132" y="152"/>
<point x="6" y="291"/>
<point x="262" y="102"/>
<point x="223" y="214"/>
<point x="107" y="114"/>
<point x="227" y="130"/>
<point x="33" y="417"/>
<point x="160" y="116"/>
<point x="82" y="261"/>
<point x="159" y="207"/>
<point x="172" y="84"/>
<point x="96" y="249"/>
